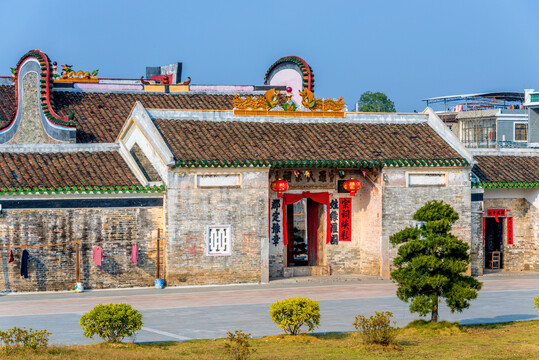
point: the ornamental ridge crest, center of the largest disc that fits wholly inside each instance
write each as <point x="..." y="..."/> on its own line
<point x="271" y="102"/>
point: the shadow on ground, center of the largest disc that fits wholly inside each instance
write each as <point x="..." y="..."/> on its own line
<point x="498" y="319"/>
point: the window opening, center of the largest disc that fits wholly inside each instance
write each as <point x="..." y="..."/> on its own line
<point x="219" y="240"/>
<point x="479" y="133"/>
<point x="521" y="132"/>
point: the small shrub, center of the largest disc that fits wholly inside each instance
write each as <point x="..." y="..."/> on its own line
<point x="376" y="329"/>
<point x="17" y="338"/>
<point x="292" y="313"/>
<point x="536" y="302"/>
<point x="238" y="346"/>
<point x="434" y="329"/>
<point x="111" y="322"/>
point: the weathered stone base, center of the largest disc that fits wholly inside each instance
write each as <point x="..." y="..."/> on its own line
<point x="291" y="271"/>
<point x="187" y="276"/>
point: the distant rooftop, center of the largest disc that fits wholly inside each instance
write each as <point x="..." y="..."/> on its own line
<point x="477" y="101"/>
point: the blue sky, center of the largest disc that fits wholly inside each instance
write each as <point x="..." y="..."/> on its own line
<point x="408" y="49"/>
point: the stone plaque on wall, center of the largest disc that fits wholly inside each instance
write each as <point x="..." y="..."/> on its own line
<point x="225" y="180"/>
<point x="426" y="179"/>
<point x="306" y="178"/>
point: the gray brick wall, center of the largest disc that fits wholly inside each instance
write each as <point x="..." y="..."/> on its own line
<point x="53" y="268"/>
<point x="399" y="203"/>
<point x="191" y="210"/>
<point x="476" y="248"/>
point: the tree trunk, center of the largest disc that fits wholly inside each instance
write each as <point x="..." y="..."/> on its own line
<point x="434" y="314"/>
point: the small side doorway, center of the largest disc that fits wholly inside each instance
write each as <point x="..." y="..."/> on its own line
<point x="302" y="227"/>
<point x="493" y="242"/>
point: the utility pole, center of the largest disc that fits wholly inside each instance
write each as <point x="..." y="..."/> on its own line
<point x="78" y="285"/>
<point x="77" y="261"/>
<point x="158" y="255"/>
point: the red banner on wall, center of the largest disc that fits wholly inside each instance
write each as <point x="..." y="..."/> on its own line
<point x="510" y="230"/>
<point x="345" y="219"/>
<point x="496" y="213"/>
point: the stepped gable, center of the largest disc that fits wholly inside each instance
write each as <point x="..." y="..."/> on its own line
<point x="239" y="142"/>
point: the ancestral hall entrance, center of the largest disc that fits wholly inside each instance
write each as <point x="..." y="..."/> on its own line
<point x="304" y="231"/>
<point x="494" y="242"/>
<point x="302" y="219"/>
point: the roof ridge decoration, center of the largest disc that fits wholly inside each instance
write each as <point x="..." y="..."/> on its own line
<point x="506" y="185"/>
<point x="45" y="91"/>
<point x="69" y="75"/>
<point x="4" y="190"/>
<point x="268" y="105"/>
<point x="307" y="71"/>
<point x="342" y="163"/>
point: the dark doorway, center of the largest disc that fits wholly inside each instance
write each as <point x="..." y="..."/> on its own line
<point x="493" y="240"/>
<point x="312" y="232"/>
<point x="302" y="221"/>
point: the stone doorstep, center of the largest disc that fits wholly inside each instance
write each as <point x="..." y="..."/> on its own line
<point x="502" y="274"/>
<point x="327" y="280"/>
<point x="293" y="271"/>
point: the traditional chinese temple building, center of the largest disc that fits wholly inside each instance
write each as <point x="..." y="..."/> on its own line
<point x="208" y="184"/>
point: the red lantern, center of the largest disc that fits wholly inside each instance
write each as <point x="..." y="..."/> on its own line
<point x="352" y="185"/>
<point x="279" y="186"/>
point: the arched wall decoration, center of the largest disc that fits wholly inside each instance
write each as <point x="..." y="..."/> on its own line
<point x="57" y="126"/>
<point x="302" y="67"/>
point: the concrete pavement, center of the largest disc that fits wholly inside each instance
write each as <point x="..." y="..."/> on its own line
<point x="209" y="312"/>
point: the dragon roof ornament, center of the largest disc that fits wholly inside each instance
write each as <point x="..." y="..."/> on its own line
<point x="271" y="105"/>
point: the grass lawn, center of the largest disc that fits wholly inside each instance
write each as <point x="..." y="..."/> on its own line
<point x="514" y="340"/>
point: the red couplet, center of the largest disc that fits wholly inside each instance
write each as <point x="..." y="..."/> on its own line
<point x="510" y="230"/>
<point x="345" y="219"/>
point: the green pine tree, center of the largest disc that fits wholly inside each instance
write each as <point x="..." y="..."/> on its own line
<point x="431" y="263"/>
<point x="375" y="102"/>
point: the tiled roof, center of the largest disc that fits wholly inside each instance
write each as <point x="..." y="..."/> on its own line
<point x="239" y="143"/>
<point x="7" y="103"/>
<point x="101" y="115"/>
<point x="507" y="171"/>
<point x="54" y="170"/>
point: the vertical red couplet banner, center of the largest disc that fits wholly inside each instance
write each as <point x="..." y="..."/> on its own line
<point x="509" y="230"/>
<point x="345" y="219"/>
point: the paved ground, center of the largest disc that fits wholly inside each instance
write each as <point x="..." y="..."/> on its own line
<point x="209" y="312"/>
